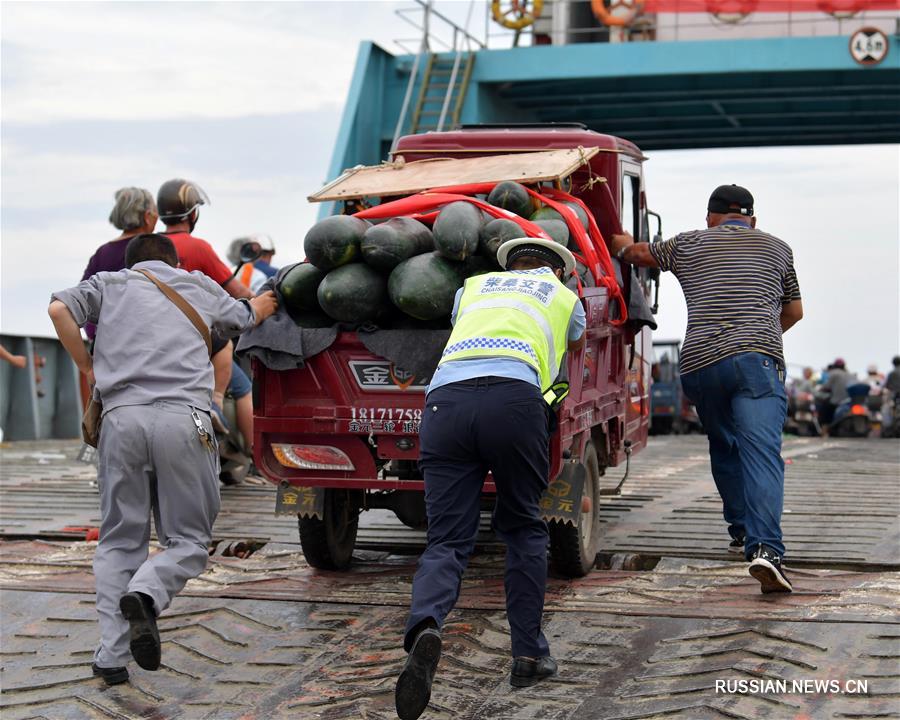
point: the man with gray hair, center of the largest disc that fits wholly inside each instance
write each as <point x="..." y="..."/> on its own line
<point x="134" y="214"/>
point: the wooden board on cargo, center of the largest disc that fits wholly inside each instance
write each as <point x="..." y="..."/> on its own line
<point x="399" y="178"/>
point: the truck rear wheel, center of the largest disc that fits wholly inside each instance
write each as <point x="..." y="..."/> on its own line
<point x="328" y="543"/>
<point x="573" y="549"/>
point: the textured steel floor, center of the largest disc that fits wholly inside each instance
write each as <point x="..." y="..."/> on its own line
<point x="842" y="504"/>
<point x="268" y="637"/>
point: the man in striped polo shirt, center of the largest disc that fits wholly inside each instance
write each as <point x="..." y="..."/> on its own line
<point x="742" y="294"/>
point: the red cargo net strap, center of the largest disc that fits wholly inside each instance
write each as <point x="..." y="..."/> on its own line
<point x="593" y="251"/>
<point x="421" y="204"/>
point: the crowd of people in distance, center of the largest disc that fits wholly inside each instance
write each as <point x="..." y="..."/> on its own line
<point x="136" y="212"/>
<point x="829" y="389"/>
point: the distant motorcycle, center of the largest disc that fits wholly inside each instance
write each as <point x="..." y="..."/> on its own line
<point x="890" y="427"/>
<point x="802" y="418"/>
<point x="852" y="418"/>
<point x="875" y="403"/>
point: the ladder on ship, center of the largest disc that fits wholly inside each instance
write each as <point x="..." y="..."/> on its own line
<point x="442" y="92"/>
<point x="443" y="81"/>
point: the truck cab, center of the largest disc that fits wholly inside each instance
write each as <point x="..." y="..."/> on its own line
<point x="671" y="411"/>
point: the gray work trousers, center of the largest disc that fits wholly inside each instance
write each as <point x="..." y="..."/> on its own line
<point x="150" y="458"/>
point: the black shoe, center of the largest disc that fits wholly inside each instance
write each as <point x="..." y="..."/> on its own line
<point x="138" y="611"/>
<point x="111" y="676"/>
<point x="736" y="545"/>
<point x="528" y="671"/>
<point x="413" y="689"/>
<point x="765" y="566"/>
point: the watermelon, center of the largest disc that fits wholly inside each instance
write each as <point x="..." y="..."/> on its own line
<point x="579" y="211"/>
<point x="494" y="234"/>
<point x="548" y="213"/>
<point x="513" y="197"/>
<point x="424" y="286"/>
<point x="587" y="280"/>
<point x="456" y="230"/>
<point x="353" y="293"/>
<point x="478" y="265"/>
<point x="545" y="213"/>
<point x="556" y="229"/>
<point x="298" y="289"/>
<point x="387" y="245"/>
<point x="334" y="241"/>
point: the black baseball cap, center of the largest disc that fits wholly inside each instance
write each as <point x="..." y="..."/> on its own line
<point x="731" y="199"/>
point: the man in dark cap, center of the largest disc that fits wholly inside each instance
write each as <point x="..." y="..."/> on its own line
<point x="742" y="294"/>
<point x="487" y="410"/>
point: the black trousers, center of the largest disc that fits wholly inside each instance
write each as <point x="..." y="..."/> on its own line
<point x="470" y="428"/>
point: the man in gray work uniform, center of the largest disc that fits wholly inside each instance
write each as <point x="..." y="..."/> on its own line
<point x="742" y="295"/>
<point x="157" y="448"/>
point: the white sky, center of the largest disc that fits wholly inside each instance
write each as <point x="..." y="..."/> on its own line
<point x="245" y="99"/>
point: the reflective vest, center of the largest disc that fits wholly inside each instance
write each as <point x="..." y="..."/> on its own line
<point x="519" y="315"/>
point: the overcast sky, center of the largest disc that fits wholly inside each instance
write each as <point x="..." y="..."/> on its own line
<point x="245" y="99"/>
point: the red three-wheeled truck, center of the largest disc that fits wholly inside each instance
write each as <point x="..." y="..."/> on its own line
<point x="338" y="433"/>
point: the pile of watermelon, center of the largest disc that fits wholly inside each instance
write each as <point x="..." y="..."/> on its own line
<point x="399" y="272"/>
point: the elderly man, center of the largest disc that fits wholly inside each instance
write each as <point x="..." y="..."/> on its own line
<point x="742" y="294"/>
<point x="486" y="411"/>
<point x="157" y="450"/>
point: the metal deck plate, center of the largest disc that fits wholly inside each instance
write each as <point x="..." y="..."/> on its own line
<point x="842" y="504"/>
<point x="630" y="645"/>
<point x="268" y="637"/>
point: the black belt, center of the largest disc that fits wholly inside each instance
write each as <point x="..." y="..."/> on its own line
<point x="487" y="380"/>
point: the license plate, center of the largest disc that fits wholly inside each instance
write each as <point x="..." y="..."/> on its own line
<point x="302" y="501"/>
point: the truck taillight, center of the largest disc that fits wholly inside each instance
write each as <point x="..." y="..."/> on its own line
<point x="312" y="457"/>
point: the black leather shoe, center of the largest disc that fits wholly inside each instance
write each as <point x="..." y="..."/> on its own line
<point x="413" y="689"/>
<point x="145" y="646"/>
<point x="111" y="676"/>
<point x="528" y="671"/>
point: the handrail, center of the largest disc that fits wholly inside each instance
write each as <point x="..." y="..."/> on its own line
<point x="679" y="25"/>
<point x="675" y="26"/>
<point x="463" y="41"/>
<point x="407" y="98"/>
<point x="459" y="33"/>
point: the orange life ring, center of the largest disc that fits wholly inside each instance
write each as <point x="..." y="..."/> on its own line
<point x="517" y="15"/>
<point x="731" y="11"/>
<point x="607" y="17"/>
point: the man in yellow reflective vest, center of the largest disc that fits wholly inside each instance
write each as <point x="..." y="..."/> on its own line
<point x="488" y="409"/>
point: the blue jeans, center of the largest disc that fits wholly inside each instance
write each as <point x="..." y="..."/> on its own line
<point x="240" y="384"/>
<point x="742" y="404"/>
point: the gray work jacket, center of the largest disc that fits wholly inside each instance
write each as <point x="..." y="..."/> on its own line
<point x="146" y="349"/>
